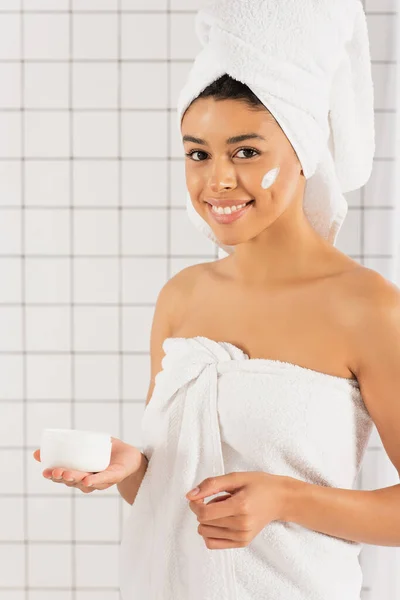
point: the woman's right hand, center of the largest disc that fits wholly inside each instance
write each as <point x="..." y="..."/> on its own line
<point x="125" y="460"/>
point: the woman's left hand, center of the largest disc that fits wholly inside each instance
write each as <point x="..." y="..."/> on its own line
<point x="232" y="521"/>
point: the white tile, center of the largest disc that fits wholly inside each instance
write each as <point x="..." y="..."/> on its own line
<point x="144" y="36"/>
<point x="11" y="470"/>
<point x="144" y="135"/>
<point x="12" y="569"/>
<point x="136" y="190"/>
<point x="87" y="5"/>
<point x="96" y="377"/>
<point x="16" y="595"/>
<point x="178" y="189"/>
<point x="89" y="336"/>
<point x="144" y="231"/>
<point x="144" y="85"/>
<point x="10" y="5"/>
<point x="46" y="5"/>
<point x="11" y="519"/>
<point x="349" y="237"/>
<point x="47" y="231"/>
<point x="10" y="183"/>
<point x="46" y="36"/>
<point x="96" y="280"/>
<point x="10" y="90"/>
<point x="47" y="183"/>
<point x="379" y="566"/>
<point x="186" y="238"/>
<point x="136" y="376"/>
<point x="47" y="280"/>
<point x="10" y="36"/>
<point x="380" y="188"/>
<point x="46" y="85"/>
<point x="46" y="415"/>
<point x="95" y="134"/>
<point x="382" y="36"/>
<point x="95" y="36"/>
<point x="96" y="231"/>
<point x="377" y="470"/>
<point x="48" y="329"/>
<point x="96" y="183"/>
<point x="353" y="198"/>
<point x="10" y="231"/>
<point x="144" y="4"/>
<point x="10" y="135"/>
<point x="379" y="233"/>
<point x="97" y="566"/>
<point x="11" y="387"/>
<point x="143" y="278"/>
<point x="385" y="92"/>
<point x="11" y="276"/>
<point x="11" y="423"/>
<point x="132" y="429"/>
<point x="96" y="521"/>
<point x="49" y="519"/>
<point x="184" y="42"/>
<point x="136" y="329"/>
<point x="177" y="264"/>
<point x="186" y="4"/>
<point x="50" y="595"/>
<point x="179" y="73"/>
<point x="386" y="128"/>
<point x="37" y="484"/>
<point x="102" y="417"/>
<point x="381" y="5"/>
<point x="101" y="595"/>
<point x="95" y="85"/>
<point x="49" y="565"/>
<point x="11" y="329"/>
<point x="48" y="377"/>
<point x="384" y="266"/>
<point x="47" y="134"/>
<point x="177" y="149"/>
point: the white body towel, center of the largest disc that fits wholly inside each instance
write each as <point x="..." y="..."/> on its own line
<point x="215" y="411"/>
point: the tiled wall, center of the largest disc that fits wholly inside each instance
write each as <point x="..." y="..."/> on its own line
<point x="92" y="224"/>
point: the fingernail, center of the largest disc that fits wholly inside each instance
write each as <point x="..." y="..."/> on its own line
<point x="69" y="479"/>
<point x="194" y="492"/>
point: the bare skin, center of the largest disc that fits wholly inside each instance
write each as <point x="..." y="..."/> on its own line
<point x="286" y="293"/>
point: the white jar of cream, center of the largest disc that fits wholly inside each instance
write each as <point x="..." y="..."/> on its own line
<point x="88" y="451"/>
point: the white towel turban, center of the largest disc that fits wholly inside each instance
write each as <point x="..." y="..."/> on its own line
<point x="308" y="61"/>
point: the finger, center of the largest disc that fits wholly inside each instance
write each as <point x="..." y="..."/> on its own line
<point x="223" y="533"/>
<point x="215" y="510"/>
<point x="36" y="455"/>
<point x="60" y="473"/>
<point x="113" y="474"/>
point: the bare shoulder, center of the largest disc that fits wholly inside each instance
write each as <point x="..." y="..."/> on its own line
<point x="372" y="312"/>
<point x="180" y="288"/>
<point x="367" y="292"/>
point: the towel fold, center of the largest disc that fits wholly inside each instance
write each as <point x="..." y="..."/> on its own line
<point x="309" y="63"/>
<point x="215" y="411"/>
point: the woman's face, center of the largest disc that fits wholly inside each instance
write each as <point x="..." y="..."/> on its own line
<point x="262" y="169"/>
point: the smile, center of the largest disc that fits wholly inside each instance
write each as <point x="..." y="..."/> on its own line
<point x="230" y="216"/>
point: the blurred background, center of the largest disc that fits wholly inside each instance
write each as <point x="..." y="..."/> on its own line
<point x="92" y="224"/>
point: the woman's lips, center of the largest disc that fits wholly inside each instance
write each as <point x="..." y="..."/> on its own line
<point x="229" y="218"/>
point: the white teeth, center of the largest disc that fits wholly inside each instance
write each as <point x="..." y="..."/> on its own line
<point x="227" y="210"/>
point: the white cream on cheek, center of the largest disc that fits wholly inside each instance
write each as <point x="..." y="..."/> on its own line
<point x="270" y="178"/>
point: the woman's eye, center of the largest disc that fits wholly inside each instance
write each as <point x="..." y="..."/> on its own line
<point x="191" y="154"/>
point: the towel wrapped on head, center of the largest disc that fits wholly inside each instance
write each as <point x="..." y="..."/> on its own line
<point x="309" y="63"/>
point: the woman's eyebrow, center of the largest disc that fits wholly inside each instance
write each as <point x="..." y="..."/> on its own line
<point x="232" y="140"/>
